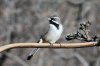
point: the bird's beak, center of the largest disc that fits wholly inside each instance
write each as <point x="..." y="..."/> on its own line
<point x="49" y="18"/>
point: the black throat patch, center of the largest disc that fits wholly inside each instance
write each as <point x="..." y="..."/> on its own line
<point x="55" y="24"/>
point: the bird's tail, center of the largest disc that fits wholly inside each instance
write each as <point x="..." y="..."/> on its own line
<point x="32" y="53"/>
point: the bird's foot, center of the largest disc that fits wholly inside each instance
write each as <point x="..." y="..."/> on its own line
<point x="50" y="44"/>
<point x="59" y="43"/>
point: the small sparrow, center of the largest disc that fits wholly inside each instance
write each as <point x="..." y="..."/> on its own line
<point x="52" y="35"/>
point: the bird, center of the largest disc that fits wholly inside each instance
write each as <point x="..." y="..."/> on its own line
<point x="51" y="36"/>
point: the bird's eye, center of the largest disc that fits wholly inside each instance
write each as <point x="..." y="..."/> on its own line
<point x="53" y="19"/>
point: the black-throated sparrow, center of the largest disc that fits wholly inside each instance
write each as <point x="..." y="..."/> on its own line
<point x="52" y="35"/>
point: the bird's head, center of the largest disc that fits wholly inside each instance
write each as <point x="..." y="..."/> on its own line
<point x="54" y="19"/>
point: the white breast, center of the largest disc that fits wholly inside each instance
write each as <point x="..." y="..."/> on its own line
<point x="54" y="34"/>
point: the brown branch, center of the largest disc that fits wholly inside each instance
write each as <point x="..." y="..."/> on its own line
<point x="47" y="45"/>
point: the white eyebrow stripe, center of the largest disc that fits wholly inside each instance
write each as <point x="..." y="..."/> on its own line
<point x="57" y="18"/>
<point x="54" y="18"/>
<point x="55" y="22"/>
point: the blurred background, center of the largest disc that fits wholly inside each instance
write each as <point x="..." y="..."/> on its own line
<point x="26" y="20"/>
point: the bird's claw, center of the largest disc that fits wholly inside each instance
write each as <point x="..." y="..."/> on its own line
<point x="50" y="44"/>
<point x="60" y="44"/>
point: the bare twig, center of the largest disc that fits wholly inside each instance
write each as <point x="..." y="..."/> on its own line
<point x="81" y="59"/>
<point x="16" y="58"/>
<point x="47" y="45"/>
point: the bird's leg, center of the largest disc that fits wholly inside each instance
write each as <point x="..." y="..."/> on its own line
<point x="50" y="44"/>
<point x="59" y="43"/>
